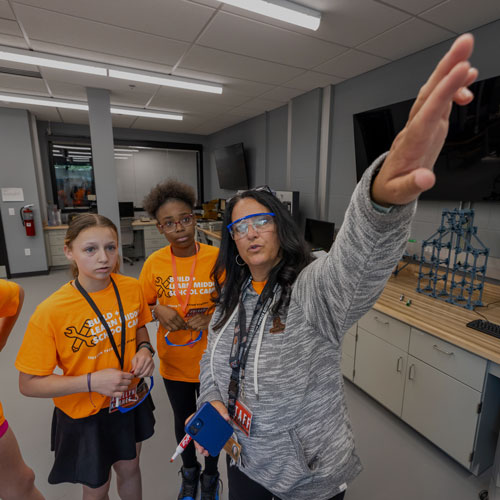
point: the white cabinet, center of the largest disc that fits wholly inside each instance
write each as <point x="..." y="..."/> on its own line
<point x="54" y="245"/>
<point x="441" y="408"/>
<point x="434" y="386"/>
<point x="380" y="369"/>
<point x="153" y="240"/>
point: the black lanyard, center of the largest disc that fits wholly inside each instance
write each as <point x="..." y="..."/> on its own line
<point x="243" y="339"/>
<point x="104" y="323"/>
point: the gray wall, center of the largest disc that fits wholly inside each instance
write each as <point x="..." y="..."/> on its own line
<point x="395" y="82"/>
<point x="17" y="169"/>
<point x="46" y="130"/>
<point x="136" y="175"/>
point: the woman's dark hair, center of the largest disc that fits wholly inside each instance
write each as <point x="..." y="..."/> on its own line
<point x="167" y="191"/>
<point x="229" y="277"/>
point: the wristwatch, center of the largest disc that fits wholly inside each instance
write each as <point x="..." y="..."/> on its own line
<point x="147" y="346"/>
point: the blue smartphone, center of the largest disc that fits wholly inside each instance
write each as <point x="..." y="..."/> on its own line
<point x="209" y="429"/>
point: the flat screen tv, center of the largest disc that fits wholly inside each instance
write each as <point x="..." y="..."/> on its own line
<point x="319" y="234"/>
<point x="468" y="168"/>
<point x="231" y="167"/>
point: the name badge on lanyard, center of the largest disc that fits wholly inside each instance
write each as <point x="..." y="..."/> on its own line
<point x="242" y="417"/>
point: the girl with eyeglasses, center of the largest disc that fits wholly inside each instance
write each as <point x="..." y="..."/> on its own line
<point x="93" y="329"/>
<point x="178" y="287"/>
<point x="272" y="364"/>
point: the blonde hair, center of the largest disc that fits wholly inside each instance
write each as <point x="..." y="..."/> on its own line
<point x="86" y="221"/>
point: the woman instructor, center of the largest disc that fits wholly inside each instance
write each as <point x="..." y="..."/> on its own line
<point x="272" y="362"/>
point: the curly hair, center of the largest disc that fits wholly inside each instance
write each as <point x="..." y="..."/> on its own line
<point x="166" y="191"/>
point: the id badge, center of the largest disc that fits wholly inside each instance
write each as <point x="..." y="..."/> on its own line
<point x="233" y="449"/>
<point x="128" y="398"/>
<point x="242" y="417"/>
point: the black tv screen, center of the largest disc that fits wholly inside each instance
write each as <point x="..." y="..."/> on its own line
<point x="468" y="168"/>
<point x="319" y="234"/>
<point x="231" y="167"/>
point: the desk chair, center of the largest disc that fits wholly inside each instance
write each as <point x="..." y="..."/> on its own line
<point x="127" y="238"/>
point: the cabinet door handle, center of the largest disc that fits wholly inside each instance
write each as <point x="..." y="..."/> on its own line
<point x="376" y="318"/>
<point x="400" y="364"/>
<point x="449" y="353"/>
<point x="411" y="372"/>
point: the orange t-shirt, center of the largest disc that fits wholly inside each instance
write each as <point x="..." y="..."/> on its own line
<point x="180" y="363"/>
<point x="64" y="331"/>
<point x="9" y="302"/>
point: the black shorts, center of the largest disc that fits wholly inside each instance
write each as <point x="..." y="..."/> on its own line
<point x="86" y="448"/>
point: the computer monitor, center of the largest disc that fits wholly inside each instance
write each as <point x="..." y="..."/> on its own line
<point x="126" y="209"/>
<point x="319" y="234"/>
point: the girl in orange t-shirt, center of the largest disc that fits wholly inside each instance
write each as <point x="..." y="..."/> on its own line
<point x="92" y="328"/>
<point x="16" y="478"/>
<point x="177" y="285"/>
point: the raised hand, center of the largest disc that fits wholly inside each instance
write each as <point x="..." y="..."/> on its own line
<point x="407" y="169"/>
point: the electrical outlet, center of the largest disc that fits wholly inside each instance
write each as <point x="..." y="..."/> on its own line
<point x="27" y="251"/>
<point x="12" y="211"/>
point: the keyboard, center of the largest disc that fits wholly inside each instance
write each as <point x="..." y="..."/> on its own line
<point x="486" y="327"/>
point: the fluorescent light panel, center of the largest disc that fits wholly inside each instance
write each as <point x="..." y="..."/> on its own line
<point x="147" y="114"/>
<point x="58" y="103"/>
<point x="166" y="80"/>
<point x="71" y="64"/>
<point x="282" y="10"/>
<point x="124" y="150"/>
<point x="72" y="147"/>
<point x="49" y="61"/>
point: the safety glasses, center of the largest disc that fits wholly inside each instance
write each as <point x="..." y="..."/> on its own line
<point x="261" y="223"/>
<point x="191" y="342"/>
<point x="143" y="392"/>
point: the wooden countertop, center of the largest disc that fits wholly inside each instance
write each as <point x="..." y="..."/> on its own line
<point x="135" y="223"/>
<point x="439" y="318"/>
<point x="54" y="228"/>
<point x="212" y="234"/>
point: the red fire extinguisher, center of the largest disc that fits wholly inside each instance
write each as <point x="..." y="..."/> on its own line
<point x="27" y="219"/>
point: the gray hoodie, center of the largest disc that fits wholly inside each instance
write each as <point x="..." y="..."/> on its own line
<point x="301" y="444"/>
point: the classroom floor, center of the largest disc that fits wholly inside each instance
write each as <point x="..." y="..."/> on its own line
<point x="398" y="463"/>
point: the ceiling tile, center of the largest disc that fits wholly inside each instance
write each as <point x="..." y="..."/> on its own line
<point x="74" y="116"/>
<point x="351" y="64"/>
<point x="5" y="10"/>
<point x="464" y="15"/>
<point x="169" y="18"/>
<point x="13" y="41"/>
<point x="224" y="63"/>
<point x="21" y="66"/>
<point x="311" y="80"/>
<point x="266" y="42"/>
<point x="412" y="6"/>
<point x="245" y="87"/>
<point x="417" y="34"/>
<point x="41" y="112"/>
<point x="9" y="27"/>
<point x="87" y="55"/>
<point x="22" y="84"/>
<point x="122" y="121"/>
<point x="186" y="101"/>
<point x="90" y="35"/>
<point x="282" y="94"/>
<point x="346" y="22"/>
